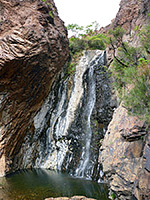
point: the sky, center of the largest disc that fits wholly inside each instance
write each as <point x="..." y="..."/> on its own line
<point x="84" y="12"/>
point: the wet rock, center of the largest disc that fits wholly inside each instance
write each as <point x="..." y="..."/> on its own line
<point x="33" y="49"/>
<point x="66" y="131"/>
<point x="146" y="156"/>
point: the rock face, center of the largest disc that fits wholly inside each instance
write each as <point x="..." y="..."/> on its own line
<point x="125" y="151"/>
<point x="131" y="15"/>
<point x="66" y="131"/>
<point x="122" y="152"/>
<point x="33" y="49"/>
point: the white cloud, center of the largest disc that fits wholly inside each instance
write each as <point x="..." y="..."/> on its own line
<point x="83" y="12"/>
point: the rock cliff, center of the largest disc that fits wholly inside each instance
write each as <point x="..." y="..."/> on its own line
<point x="125" y="152"/>
<point x="131" y="14"/>
<point x="33" y="49"/>
<point x="35" y="130"/>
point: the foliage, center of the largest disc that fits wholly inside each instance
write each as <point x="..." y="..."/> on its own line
<point x="50" y="7"/>
<point x="145" y="38"/>
<point x="113" y="196"/>
<point x="75" y="29"/>
<point x="131" y="70"/>
<point x="117" y="34"/>
<point x="71" y="65"/>
<point x="94" y="42"/>
<point x="86" y="38"/>
<point x="77" y="45"/>
<point x="80" y="31"/>
<point x="98" y="41"/>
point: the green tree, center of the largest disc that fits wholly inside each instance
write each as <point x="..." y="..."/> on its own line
<point x="131" y="71"/>
<point x="86" y="38"/>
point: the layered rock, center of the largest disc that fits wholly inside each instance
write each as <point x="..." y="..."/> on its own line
<point x="125" y="150"/>
<point x="132" y="13"/>
<point x="122" y="152"/>
<point x="33" y="49"/>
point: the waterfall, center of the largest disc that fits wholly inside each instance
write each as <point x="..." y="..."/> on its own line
<point x="82" y="169"/>
<point x="87" y="125"/>
<point x="66" y="130"/>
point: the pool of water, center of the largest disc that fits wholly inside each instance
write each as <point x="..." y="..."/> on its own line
<point x="39" y="184"/>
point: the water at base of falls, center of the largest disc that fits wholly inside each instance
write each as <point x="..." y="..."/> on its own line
<point x="40" y="184"/>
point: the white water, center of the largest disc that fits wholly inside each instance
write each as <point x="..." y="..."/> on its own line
<point x="84" y="160"/>
<point x="80" y="171"/>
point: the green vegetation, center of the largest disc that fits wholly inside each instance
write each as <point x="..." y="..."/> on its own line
<point x="71" y="65"/>
<point x="87" y="42"/>
<point x="86" y="38"/>
<point x="113" y="196"/>
<point x="80" y="31"/>
<point x="50" y="7"/>
<point x="131" y="71"/>
<point x="130" y="68"/>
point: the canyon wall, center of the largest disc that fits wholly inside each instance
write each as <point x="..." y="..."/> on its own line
<point x="125" y="152"/>
<point x="53" y="119"/>
<point x="33" y="49"/>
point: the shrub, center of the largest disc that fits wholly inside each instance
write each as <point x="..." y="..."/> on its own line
<point x="77" y="45"/>
<point x="131" y="70"/>
<point x="97" y="41"/>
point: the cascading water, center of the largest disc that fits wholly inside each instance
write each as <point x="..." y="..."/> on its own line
<point x="67" y="129"/>
<point x="88" y="108"/>
<point x="80" y="171"/>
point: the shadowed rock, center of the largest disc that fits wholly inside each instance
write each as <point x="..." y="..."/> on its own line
<point x="33" y="49"/>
